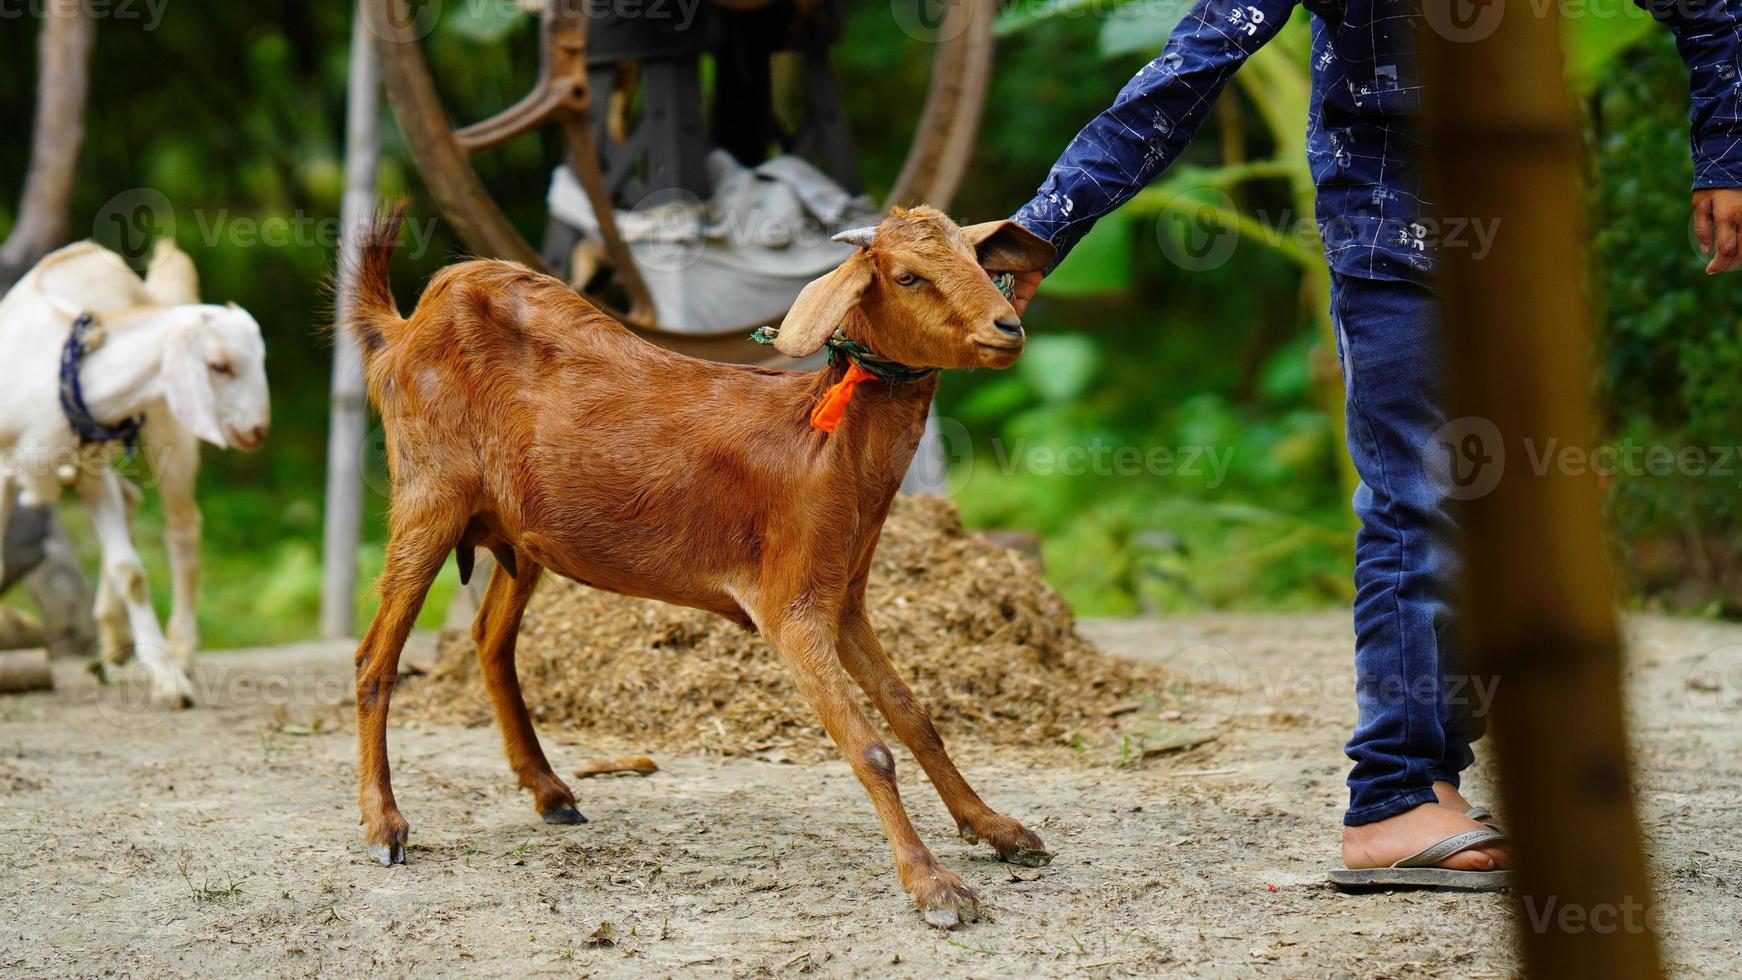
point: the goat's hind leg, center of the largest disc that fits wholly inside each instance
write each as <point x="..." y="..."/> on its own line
<point x="865" y="659"/>
<point x="419" y="545"/>
<point x="114" y="636"/>
<point x="494" y="631"/>
<point x="114" y="629"/>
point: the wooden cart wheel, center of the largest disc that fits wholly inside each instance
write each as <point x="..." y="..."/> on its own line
<point x="936" y="159"/>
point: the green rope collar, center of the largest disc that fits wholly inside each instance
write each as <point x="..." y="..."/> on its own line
<point x="840" y="345"/>
<point x="882" y="368"/>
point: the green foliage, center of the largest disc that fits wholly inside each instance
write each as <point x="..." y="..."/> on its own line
<point x="1593" y="43"/>
<point x="1140" y="29"/>
<point x="1101" y="262"/>
<point x="1672" y="349"/>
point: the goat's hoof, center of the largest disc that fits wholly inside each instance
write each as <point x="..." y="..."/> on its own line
<point x="177" y="698"/>
<point x="1014" y="842"/>
<point x="945" y="901"/>
<point x="387" y="855"/>
<point x="563" y="815"/>
<point x="1028" y="857"/>
<point x="942" y="918"/>
<point x="385" y="834"/>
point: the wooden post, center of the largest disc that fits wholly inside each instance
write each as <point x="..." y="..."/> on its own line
<point x="1540" y="597"/>
<point x="344" y="504"/>
<point x="44" y="212"/>
<point x="63" y="77"/>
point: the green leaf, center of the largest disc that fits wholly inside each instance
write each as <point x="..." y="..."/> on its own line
<point x="1101" y="262"/>
<point x="1141" y="28"/>
<point x="995" y="399"/>
<point x="484" y="23"/>
<point x="1060" y="366"/>
<point x="1021" y="16"/>
<point x="1592" y="43"/>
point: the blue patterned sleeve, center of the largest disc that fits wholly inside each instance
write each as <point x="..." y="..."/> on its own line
<point x="1149" y="124"/>
<point x="1708" y="33"/>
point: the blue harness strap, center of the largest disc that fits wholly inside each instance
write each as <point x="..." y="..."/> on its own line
<point x="72" y="397"/>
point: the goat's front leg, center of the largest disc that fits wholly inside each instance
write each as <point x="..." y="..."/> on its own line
<point x="865" y="659"/>
<point x="808" y="646"/>
<point x="176" y="461"/>
<point x="494" y="631"/>
<point x="414" y="557"/>
<point x="124" y="575"/>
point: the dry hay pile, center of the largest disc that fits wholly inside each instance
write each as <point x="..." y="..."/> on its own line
<point x="987" y="645"/>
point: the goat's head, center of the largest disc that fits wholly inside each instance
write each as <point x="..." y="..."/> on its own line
<point x="922" y="284"/>
<point x="214" y="376"/>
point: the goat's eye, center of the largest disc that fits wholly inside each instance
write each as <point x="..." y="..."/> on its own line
<point x="224" y="368"/>
<point x="906" y="279"/>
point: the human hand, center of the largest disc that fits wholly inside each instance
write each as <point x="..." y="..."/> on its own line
<point x="1026" y="284"/>
<point x="1717" y="227"/>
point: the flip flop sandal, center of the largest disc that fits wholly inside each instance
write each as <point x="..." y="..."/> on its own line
<point x="1419" y="871"/>
<point x="1485" y="816"/>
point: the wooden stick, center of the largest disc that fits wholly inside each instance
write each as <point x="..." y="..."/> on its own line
<point x="63" y="78"/>
<point x="22" y="671"/>
<point x="1540" y="598"/>
<point x="639" y="765"/>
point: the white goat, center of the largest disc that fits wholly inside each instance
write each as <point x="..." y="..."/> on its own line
<point x="193" y="371"/>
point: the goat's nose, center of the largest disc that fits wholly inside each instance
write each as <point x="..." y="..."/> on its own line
<point x="1009" y="326"/>
<point x="259" y="433"/>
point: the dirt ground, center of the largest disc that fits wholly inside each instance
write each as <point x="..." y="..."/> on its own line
<point x="223" y="840"/>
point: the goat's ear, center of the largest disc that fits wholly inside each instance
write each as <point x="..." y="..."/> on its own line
<point x="821" y="306"/>
<point x="187" y="385"/>
<point x="1005" y="246"/>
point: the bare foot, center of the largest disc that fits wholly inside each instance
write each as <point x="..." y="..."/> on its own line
<point x="1385" y="842"/>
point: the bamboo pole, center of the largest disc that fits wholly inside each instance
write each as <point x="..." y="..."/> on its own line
<point x="344" y="501"/>
<point x="1540" y="596"/>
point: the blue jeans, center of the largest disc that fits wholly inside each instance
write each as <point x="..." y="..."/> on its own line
<point x="1417" y="708"/>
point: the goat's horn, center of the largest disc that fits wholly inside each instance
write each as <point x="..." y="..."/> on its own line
<point x="857" y="236"/>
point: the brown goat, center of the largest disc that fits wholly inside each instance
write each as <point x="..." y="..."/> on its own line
<point x="521" y="419"/>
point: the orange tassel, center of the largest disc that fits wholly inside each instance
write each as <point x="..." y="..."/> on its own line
<point x="827" y="415"/>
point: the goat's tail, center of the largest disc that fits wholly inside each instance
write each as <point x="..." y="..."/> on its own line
<point x="371" y="310"/>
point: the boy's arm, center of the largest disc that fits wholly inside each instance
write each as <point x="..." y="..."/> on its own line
<point x="1127" y="146"/>
<point x="1708" y="33"/>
